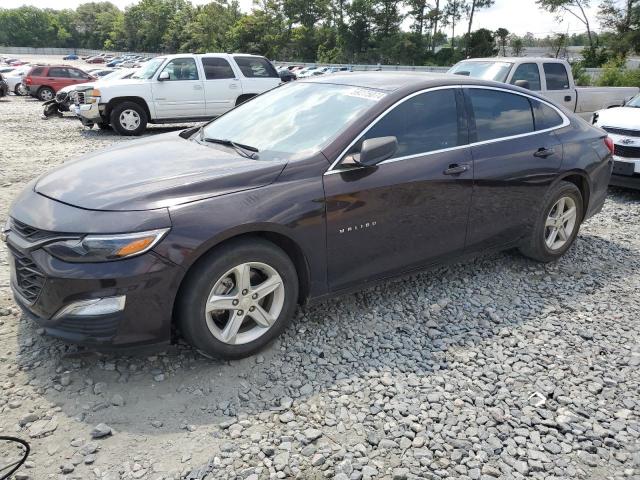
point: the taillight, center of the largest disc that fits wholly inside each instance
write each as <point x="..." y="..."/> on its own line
<point x="27" y="80"/>
<point x="609" y="143"/>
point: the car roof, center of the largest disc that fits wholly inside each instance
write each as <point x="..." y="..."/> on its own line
<point x="515" y="59"/>
<point x="393" y="81"/>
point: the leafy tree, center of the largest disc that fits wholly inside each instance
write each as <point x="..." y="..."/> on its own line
<point x="517" y="46"/>
<point x="624" y="21"/>
<point x="503" y="34"/>
<point x="453" y="13"/>
<point x="481" y="43"/>
<point x="475" y="5"/>
<point x="576" y="8"/>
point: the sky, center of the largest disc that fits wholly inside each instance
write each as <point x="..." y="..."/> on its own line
<point x="517" y="16"/>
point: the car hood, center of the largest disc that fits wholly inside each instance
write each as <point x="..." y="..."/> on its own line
<point x="620" y="117"/>
<point x="155" y="172"/>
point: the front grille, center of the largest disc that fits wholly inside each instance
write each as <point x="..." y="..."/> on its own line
<point x="30" y="233"/>
<point x="29" y="279"/>
<point x="626" y="152"/>
<point x="622" y="131"/>
<point x="79" y="98"/>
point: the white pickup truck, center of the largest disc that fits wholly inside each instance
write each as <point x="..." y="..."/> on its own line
<point x="175" y="89"/>
<point x="549" y="76"/>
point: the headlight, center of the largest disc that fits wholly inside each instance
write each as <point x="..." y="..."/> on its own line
<point x="105" y="248"/>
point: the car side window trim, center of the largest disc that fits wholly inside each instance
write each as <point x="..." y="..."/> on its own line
<point x="565" y="122"/>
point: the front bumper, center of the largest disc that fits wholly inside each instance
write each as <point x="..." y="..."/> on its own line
<point x="626" y="172"/>
<point x="44" y="285"/>
<point x="88" y="113"/>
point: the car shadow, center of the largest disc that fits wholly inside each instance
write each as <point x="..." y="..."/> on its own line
<point x="176" y="387"/>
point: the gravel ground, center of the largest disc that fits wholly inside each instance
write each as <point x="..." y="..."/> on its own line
<point x="496" y="368"/>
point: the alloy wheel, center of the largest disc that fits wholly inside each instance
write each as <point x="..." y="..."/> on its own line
<point x="560" y="223"/>
<point x="244" y="303"/>
<point x="21" y="89"/>
<point x="129" y="119"/>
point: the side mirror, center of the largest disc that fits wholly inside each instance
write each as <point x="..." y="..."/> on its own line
<point x="523" y="84"/>
<point x="373" y="151"/>
<point x="164" y="76"/>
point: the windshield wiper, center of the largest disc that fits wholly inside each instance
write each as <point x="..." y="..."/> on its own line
<point x="246" y="151"/>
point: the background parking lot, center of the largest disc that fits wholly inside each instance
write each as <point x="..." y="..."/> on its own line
<point x="498" y="367"/>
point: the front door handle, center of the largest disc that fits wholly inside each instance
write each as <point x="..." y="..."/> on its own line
<point x="456" y="169"/>
<point x="544" y="152"/>
<point x="197" y="87"/>
<point x="233" y="85"/>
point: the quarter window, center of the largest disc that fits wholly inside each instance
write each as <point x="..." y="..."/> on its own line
<point x="256" y="67"/>
<point x="424" y="123"/>
<point x="182" y="69"/>
<point x="216" y="68"/>
<point x="500" y="114"/>
<point x="545" y="116"/>
<point x="528" y="72"/>
<point x="556" y="75"/>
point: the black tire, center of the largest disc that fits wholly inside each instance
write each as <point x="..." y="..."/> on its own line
<point x="104" y="126"/>
<point x="195" y="290"/>
<point x="17" y="91"/>
<point x="45" y="94"/>
<point x="118" y="126"/>
<point x="535" y="246"/>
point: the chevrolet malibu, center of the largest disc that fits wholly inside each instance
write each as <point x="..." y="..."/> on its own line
<point x="309" y="190"/>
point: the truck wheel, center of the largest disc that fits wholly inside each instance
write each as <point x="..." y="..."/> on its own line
<point x="238" y="298"/>
<point x="128" y="118"/>
<point x="556" y="226"/>
<point x="45" y="94"/>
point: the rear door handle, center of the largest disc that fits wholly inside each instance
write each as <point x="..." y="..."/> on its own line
<point x="567" y="98"/>
<point x="456" y="169"/>
<point x="544" y="152"/>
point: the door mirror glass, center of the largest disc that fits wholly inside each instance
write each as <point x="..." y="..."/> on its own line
<point x="163" y="76"/>
<point x="523" y="84"/>
<point x="376" y="150"/>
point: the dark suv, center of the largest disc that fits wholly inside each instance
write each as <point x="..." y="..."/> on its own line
<point x="44" y="81"/>
<point x="312" y="189"/>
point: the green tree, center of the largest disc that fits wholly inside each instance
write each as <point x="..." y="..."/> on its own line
<point x="517" y="45"/>
<point x="575" y="8"/>
<point x="453" y="13"/>
<point x="502" y="34"/>
<point x="475" y="5"/>
<point x="481" y="43"/>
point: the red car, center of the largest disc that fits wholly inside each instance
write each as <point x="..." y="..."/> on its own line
<point x="44" y="81"/>
<point x="95" y="60"/>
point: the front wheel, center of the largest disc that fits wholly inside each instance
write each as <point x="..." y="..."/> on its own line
<point x="20" y="90"/>
<point x="238" y="298"/>
<point x="556" y="226"/>
<point x="128" y="118"/>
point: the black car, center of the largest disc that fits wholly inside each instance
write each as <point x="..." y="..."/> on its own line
<point x="314" y="188"/>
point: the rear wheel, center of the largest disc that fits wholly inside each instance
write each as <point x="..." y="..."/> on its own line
<point x="45" y="94"/>
<point x="556" y="226"/>
<point x="128" y="118"/>
<point x="238" y="298"/>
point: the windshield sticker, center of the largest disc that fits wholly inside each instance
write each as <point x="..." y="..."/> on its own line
<point x="365" y="93"/>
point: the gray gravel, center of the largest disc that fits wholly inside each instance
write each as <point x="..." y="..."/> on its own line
<point x="497" y="368"/>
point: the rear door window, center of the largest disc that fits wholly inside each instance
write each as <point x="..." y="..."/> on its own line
<point x="422" y="124"/>
<point x="556" y="76"/>
<point x="217" y="68"/>
<point x="259" y="67"/>
<point x="528" y="72"/>
<point x="500" y="114"/>
<point x="58" y="72"/>
<point x="36" y="72"/>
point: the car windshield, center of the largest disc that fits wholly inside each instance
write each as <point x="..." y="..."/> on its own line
<point x="149" y="68"/>
<point x="292" y="119"/>
<point x="634" y="102"/>
<point x="496" y="71"/>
